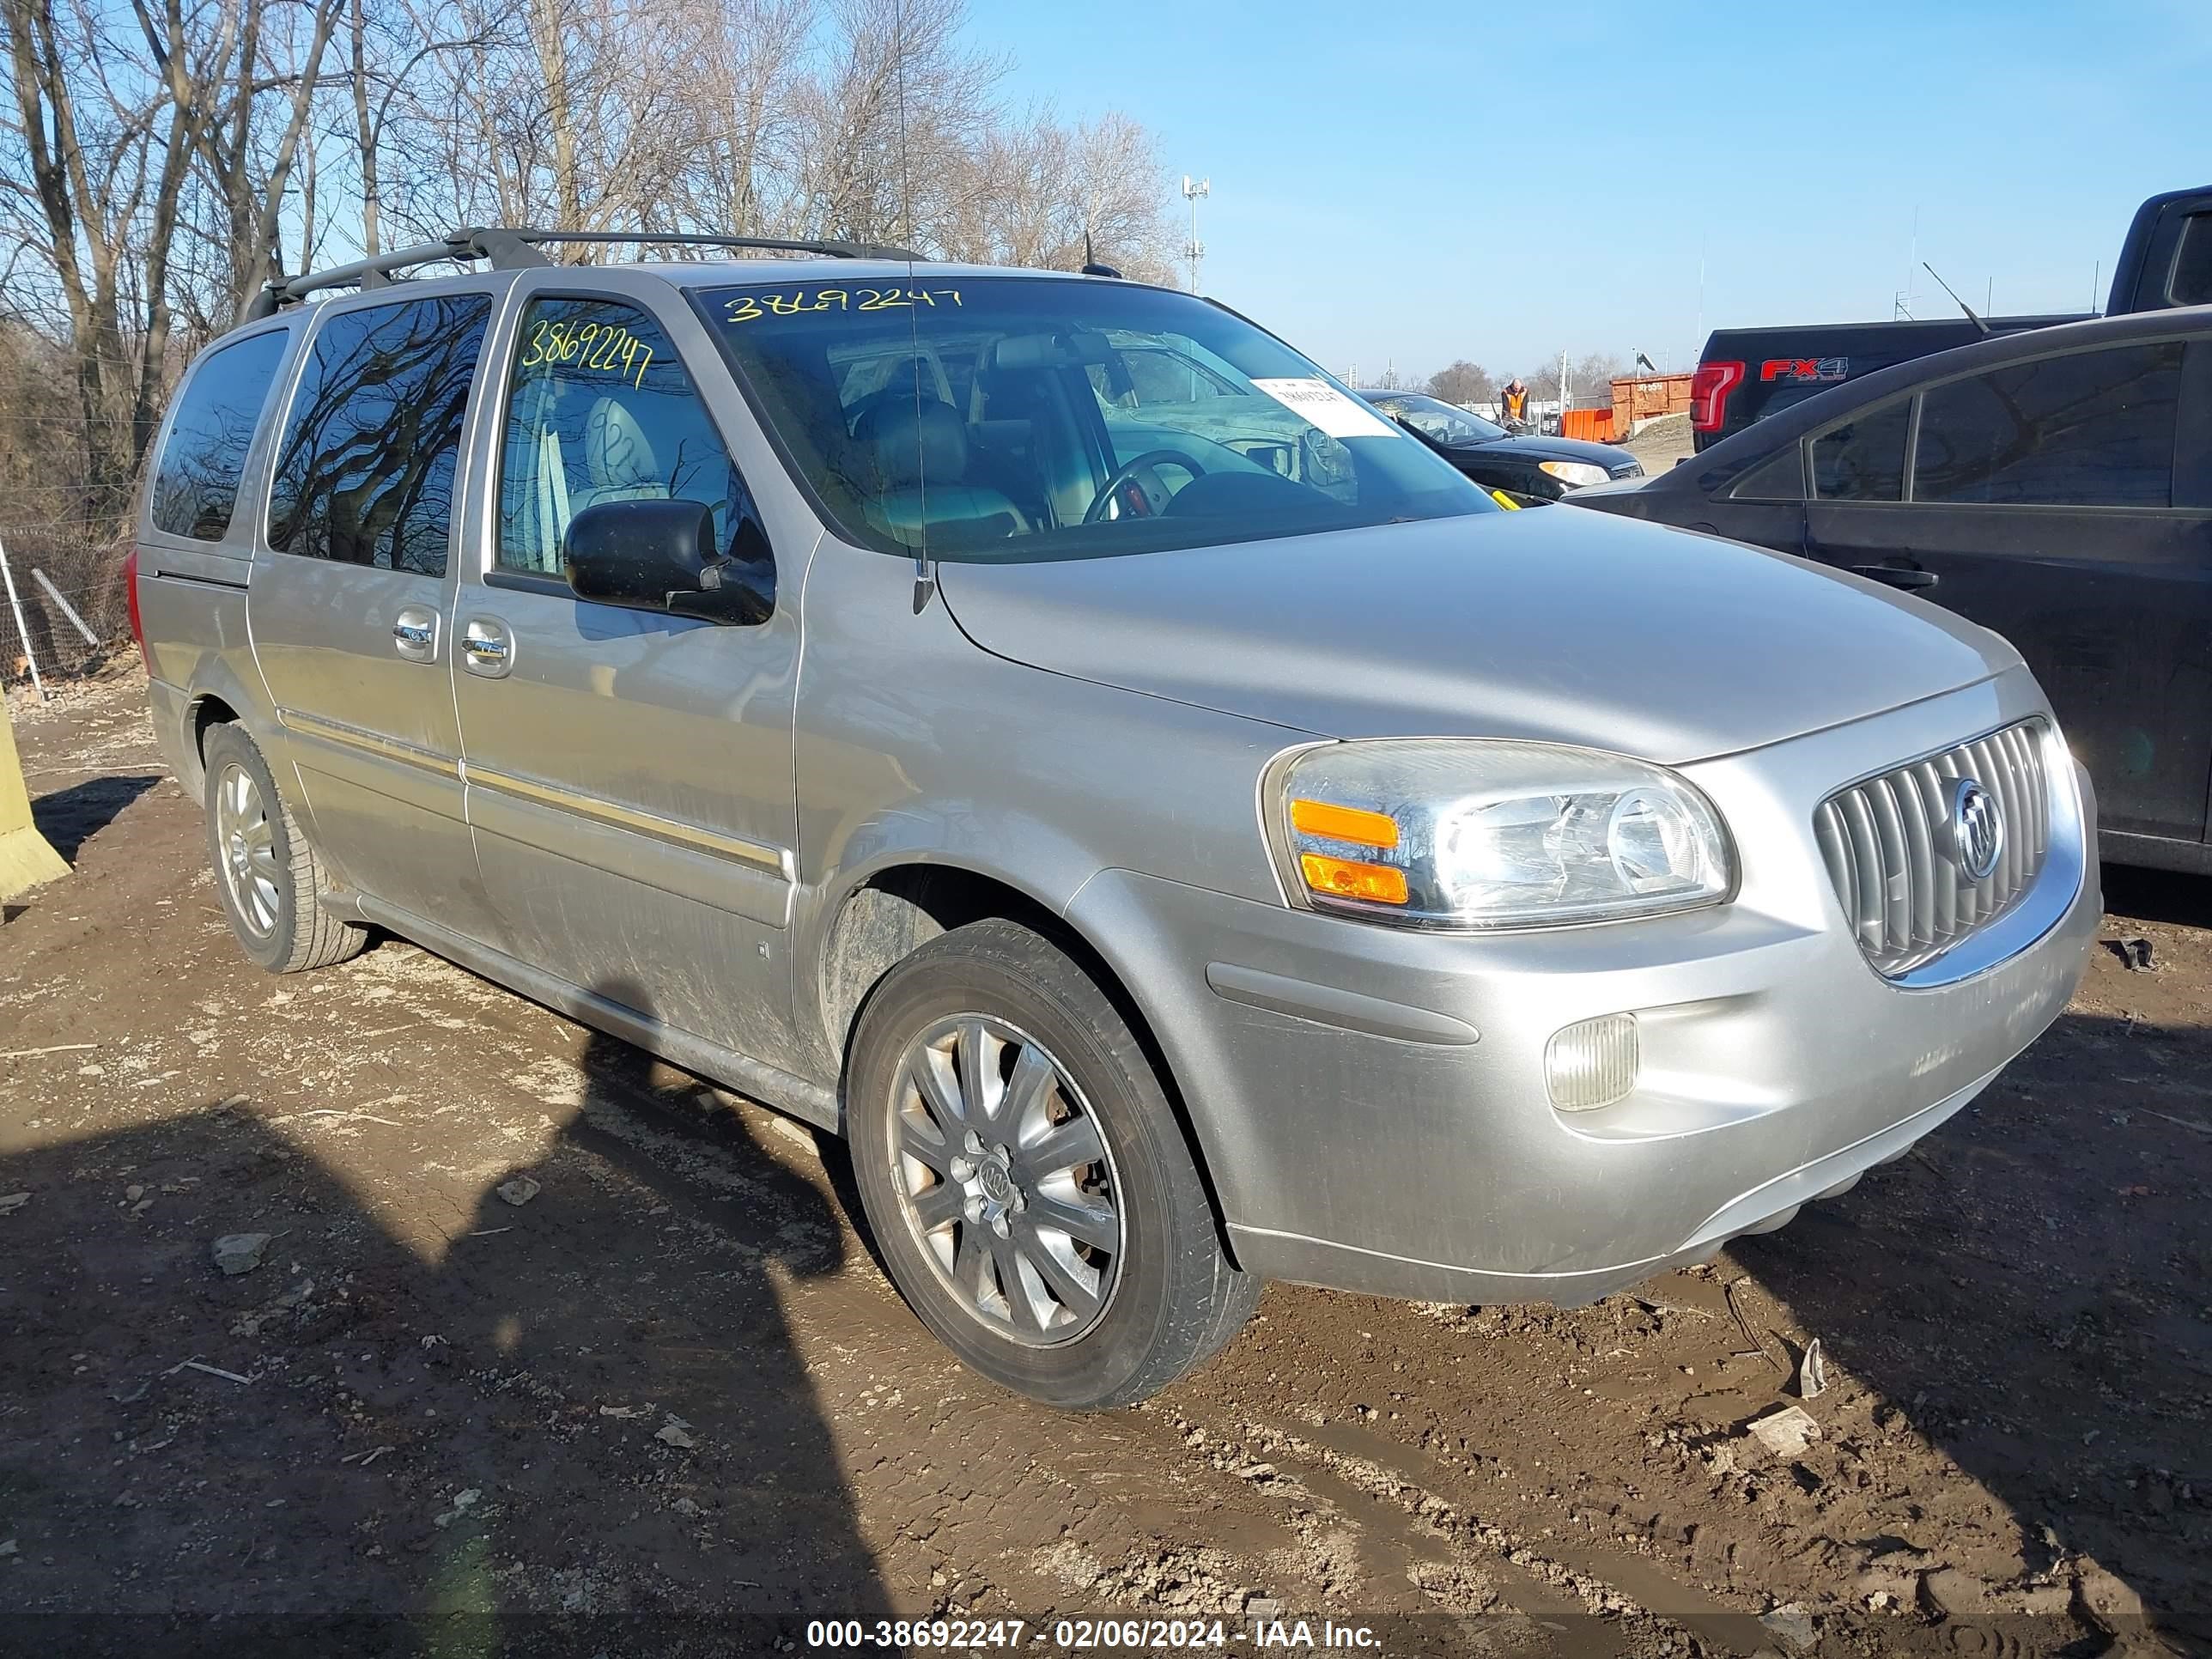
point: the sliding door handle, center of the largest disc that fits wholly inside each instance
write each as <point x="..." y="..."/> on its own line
<point x="414" y="633"/>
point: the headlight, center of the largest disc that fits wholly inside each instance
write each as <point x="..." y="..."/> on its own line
<point x="1471" y="833"/>
<point x="1576" y="475"/>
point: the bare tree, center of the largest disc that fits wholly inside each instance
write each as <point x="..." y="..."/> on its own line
<point x="739" y="171"/>
<point x="161" y="159"/>
<point x="570" y="114"/>
<point x="1589" y="377"/>
<point x="97" y="148"/>
<point x="887" y="121"/>
<point x="249" y="152"/>
<point x="387" y="43"/>
<point x="1044" y="194"/>
<point x="1463" y="382"/>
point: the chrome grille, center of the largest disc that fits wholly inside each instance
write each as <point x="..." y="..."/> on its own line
<point x="1888" y="847"/>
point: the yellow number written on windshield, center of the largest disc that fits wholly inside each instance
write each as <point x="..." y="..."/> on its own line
<point x="748" y="307"/>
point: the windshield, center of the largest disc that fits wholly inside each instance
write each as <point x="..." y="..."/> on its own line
<point x="1440" y="421"/>
<point x="1019" y="418"/>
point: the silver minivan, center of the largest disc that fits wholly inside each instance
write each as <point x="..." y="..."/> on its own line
<point x="1045" y="730"/>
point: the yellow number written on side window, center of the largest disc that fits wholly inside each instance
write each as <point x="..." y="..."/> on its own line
<point x="601" y="348"/>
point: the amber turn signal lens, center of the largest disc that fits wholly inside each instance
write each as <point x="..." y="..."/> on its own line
<point x="1321" y="817"/>
<point x="1344" y="878"/>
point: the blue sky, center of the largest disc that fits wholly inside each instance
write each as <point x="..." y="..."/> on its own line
<point x="1416" y="182"/>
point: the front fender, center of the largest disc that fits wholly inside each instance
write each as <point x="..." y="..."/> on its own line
<point x="915" y="747"/>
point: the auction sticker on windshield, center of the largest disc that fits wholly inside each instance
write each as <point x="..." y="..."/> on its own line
<point x="1323" y="405"/>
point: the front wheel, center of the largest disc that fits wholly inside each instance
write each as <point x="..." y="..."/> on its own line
<point x="1027" y="1183"/>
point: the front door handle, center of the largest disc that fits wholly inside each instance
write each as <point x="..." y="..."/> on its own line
<point x="487" y="648"/>
<point x="414" y="633"/>
<point x="1898" y="575"/>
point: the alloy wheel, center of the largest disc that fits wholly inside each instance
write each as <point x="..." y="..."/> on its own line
<point x="1005" y="1180"/>
<point x="247" y="843"/>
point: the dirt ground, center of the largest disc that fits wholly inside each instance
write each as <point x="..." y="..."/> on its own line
<point x="669" y="1404"/>
<point x="1662" y="443"/>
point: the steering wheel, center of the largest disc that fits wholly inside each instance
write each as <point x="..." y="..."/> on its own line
<point x="1146" y="496"/>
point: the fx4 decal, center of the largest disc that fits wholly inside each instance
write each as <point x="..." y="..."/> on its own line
<point x="1805" y="369"/>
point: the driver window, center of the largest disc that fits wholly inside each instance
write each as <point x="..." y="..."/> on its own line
<point x="599" y="408"/>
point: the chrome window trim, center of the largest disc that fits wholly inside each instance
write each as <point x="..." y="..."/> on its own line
<point x="736" y="848"/>
<point x="372" y="742"/>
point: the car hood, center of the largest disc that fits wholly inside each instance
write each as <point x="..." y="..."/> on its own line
<point x="1534" y="448"/>
<point x="1547" y="624"/>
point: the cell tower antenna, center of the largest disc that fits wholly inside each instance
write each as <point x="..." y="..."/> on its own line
<point x="1193" y="189"/>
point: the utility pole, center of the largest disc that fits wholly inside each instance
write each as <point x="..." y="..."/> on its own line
<point x="1192" y="189"/>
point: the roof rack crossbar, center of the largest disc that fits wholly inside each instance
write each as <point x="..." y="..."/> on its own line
<point x="510" y="249"/>
<point x="363" y="273"/>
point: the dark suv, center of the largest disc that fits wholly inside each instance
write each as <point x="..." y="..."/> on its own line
<point x="1748" y="374"/>
<point x="2056" y="486"/>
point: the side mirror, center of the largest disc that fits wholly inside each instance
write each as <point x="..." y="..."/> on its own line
<point x="660" y="555"/>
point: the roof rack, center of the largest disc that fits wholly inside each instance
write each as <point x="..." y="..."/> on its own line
<point x="509" y="249"/>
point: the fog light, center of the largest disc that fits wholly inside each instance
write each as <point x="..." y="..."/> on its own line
<point x="1592" y="1063"/>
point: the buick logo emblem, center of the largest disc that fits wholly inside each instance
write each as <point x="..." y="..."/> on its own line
<point x="1976" y="828"/>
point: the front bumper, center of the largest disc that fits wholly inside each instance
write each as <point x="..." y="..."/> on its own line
<point x="1371" y="1103"/>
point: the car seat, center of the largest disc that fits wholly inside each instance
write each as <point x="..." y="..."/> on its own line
<point x="618" y="458"/>
<point x="921" y="457"/>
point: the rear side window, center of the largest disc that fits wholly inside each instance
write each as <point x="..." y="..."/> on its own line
<point x="204" y="458"/>
<point x="371" y="450"/>
<point x="2190" y="283"/>
<point x="599" y="408"/>
<point x="2093" y="428"/>
<point x="1863" y="459"/>
<point x="1778" y="478"/>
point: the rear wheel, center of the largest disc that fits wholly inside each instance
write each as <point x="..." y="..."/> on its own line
<point x="1030" y="1189"/>
<point x="265" y="871"/>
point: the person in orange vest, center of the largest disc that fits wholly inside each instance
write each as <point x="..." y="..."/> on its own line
<point x="1514" y="399"/>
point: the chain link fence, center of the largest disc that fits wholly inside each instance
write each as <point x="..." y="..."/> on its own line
<point x="66" y="611"/>
<point x="65" y="487"/>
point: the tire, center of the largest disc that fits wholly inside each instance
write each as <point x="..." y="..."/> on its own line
<point x="266" y="874"/>
<point x="995" y="999"/>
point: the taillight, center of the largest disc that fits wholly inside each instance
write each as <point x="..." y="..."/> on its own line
<point x="131" y="592"/>
<point x="1708" y="389"/>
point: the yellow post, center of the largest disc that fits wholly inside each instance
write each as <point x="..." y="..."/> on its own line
<point x="25" y="858"/>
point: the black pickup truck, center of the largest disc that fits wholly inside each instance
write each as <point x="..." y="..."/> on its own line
<point x="1744" y="374"/>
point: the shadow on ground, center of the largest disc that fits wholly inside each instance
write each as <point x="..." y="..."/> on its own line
<point x="2044" y="1316"/>
<point x="2158" y="895"/>
<point x="70" y="817"/>
<point x="576" y="1424"/>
